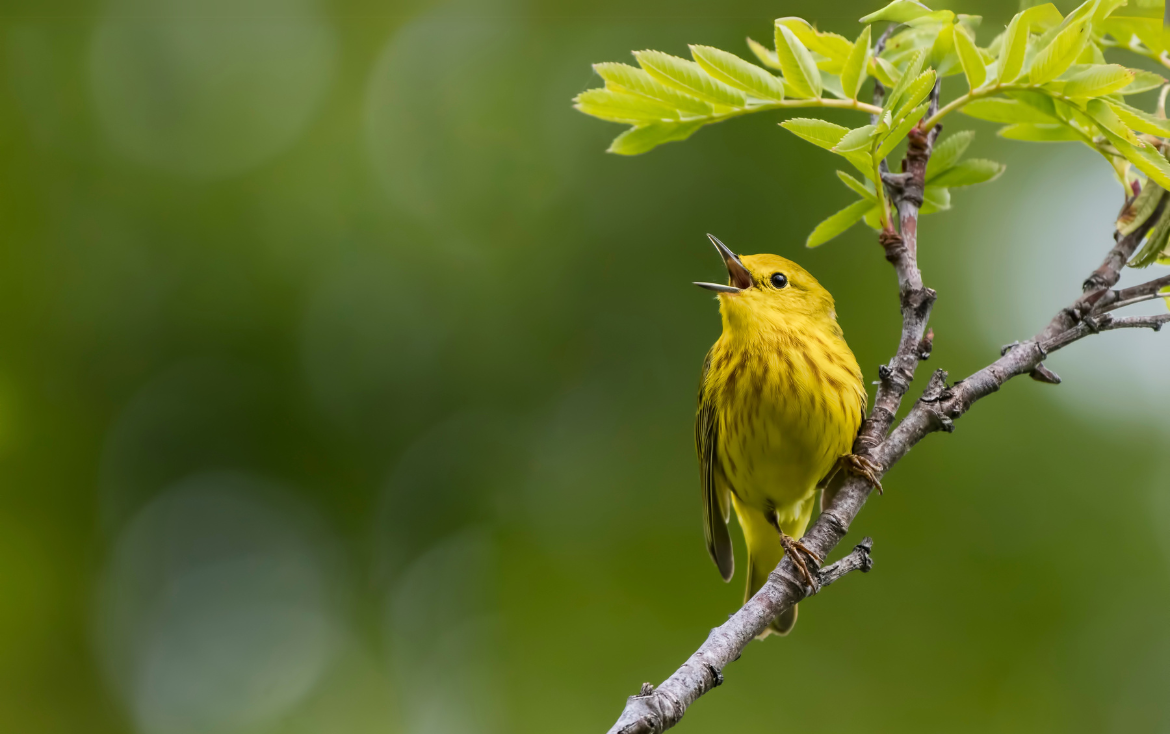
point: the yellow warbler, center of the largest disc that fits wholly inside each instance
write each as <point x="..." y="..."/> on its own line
<point x="780" y="402"/>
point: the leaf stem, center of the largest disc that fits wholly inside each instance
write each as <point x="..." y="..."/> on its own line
<point x="981" y="92"/>
<point x="792" y="104"/>
<point x="880" y="190"/>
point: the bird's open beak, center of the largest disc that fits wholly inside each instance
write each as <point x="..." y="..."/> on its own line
<point x="736" y="272"/>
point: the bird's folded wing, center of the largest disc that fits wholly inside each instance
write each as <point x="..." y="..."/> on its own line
<point x="716" y="499"/>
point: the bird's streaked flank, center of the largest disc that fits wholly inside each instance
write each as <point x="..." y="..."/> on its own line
<point x="780" y="402"/>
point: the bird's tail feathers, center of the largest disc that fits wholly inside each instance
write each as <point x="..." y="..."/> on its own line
<point x="763" y="555"/>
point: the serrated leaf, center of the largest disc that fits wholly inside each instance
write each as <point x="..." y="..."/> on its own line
<point x="942" y="51"/>
<point x="620" y="107"/>
<point x="884" y="71"/>
<point x="1015" y="44"/>
<point x="638" y="140"/>
<point x="1150" y="31"/>
<point x="1096" y="80"/>
<point x="862" y="162"/>
<point x="915" y="93"/>
<point x="820" y="133"/>
<point x="898" y="11"/>
<point x="1144" y="157"/>
<point x="831" y="83"/>
<point x="970" y="60"/>
<point x="909" y="75"/>
<point x="935" y="199"/>
<point x="853" y="74"/>
<point x="833" y="49"/>
<point x="838" y="223"/>
<point x="1084" y="11"/>
<point x="797" y="65"/>
<point x="734" y="71"/>
<point x="947" y="153"/>
<point x="1140" y="209"/>
<point x="1143" y="81"/>
<point x="637" y="81"/>
<point x="968" y="173"/>
<point x="1040" y="133"/>
<point x="1013" y="47"/>
<point x="688" y="77"/>
<point x="1005" y="111"/>
<point x="766" y="55"/>
<point x="1156" y="242"/>
<point x="856" y="186"/>
<point x="1057" y="56"/>
<point x="1141" y="121"/>
<point x="900" y="131"/>
<point x="858" y="138"/>
<point x="1105" y="8"/>
<point x="1043" y="17"/>
<point x="1106" y="119"/>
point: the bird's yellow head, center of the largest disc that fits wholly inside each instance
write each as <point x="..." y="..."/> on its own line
<point x="768" y="290"/>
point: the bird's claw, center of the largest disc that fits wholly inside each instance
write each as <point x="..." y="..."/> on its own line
<point x="864" y="468"/>
<point x="791" y="546"/>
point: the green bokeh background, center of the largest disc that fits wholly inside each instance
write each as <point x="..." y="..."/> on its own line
<point x="346" y="385"/>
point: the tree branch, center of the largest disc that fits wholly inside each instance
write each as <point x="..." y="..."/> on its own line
<point x="653" y="711"/>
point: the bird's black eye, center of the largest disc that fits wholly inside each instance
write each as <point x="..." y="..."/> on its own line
<point x="779" y="280"/>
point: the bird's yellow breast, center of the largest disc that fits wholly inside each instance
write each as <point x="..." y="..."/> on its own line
<point x="790" y="399"/>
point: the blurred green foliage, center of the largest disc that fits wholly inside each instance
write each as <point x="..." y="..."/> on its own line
<point x="345" y="385"/>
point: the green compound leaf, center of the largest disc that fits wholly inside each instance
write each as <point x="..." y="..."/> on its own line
<point x="935" y="199"/>
<point x="900" y="131"/>
<point x="820" y="133"/>
<point x="1096" y="80"/>
<point x="1156" y="242"/>
<point x="838" y="223"/>
<point x="857" y="187"/>
<point x="1138" y="211"/>
<point x="636" y="81"/>
<point x="909" y="75"/>
<point x="1057" y="56"/>
<point x="1141" y="121"/>
<point x="1108" y="121"/>
<point x="689" y="78"/>
<point x="853" y="74"/>
<point x="898" y="11"/>
<point x="832" y="48"/>
<point x="970" y="60"/>
<point x="766" y="55"/>
<point x="1143" y="81"/>
<point x="638" y="140"/>
<point x="885" y="72"/>
<point x="832" y="84"/>
<point x="947" y="153"/>
<point x="620" y="107"/>
<point x="1005" y="111"/>
<point x="1015" y="43"/>
<point x="734" y="71"/>
<point x="796" y="63"/>
<point x="1144" y="157"/>
<point x="1040" y="133"/>
<point x="915" y="93"/>
<point x="969" y="173"/>
<point x="856" y="139"/>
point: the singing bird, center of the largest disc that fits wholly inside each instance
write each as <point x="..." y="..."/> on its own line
<point x="781" y="399"/>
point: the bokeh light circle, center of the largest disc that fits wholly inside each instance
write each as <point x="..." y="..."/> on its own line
<point x="209" y="89"/>
<point x="217" y="612"/>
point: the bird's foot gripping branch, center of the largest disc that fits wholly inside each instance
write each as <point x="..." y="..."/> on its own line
<point x="1044" y="78"/>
